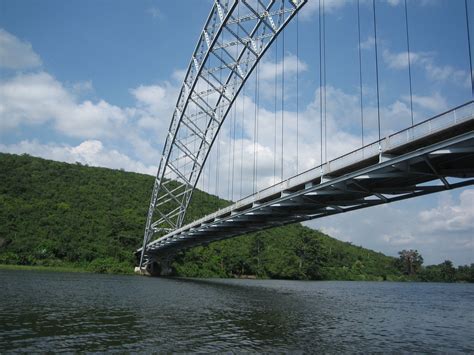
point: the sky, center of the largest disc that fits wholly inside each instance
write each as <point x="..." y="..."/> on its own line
<point x="96" y="82"/>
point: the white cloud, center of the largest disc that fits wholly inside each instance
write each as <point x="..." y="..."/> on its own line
<point x="312" y="7"/>
<point x="179" y="75"/>
<point x="153" y="96"/>
<point x="269" y="70"/>
<point x="399" y="239"/>
<point x="336" y="233"/>
<point x="154" y="107"/>
<point x="82" y="88"/>
<point x="397" y="60"/>
<point x="450" y="216"/>
<point x="435" y="103"/>
<point x="90" y="152"/>
<point x="446" y="73"/>
<point x="427" y="62"/>
<point x="30" y="99"/>
<point x="16" y="54"/>
<point x="156" y="13"/>
<point x="38" y="98"/>
<point x="369" y="43"/>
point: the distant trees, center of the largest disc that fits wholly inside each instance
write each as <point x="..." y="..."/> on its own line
<point x="465" y="273"/>
<point x="409" y="262"/>
<point x="448" y="272"/>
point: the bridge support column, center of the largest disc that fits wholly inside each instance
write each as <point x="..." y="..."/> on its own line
<point x="155" y="268"/>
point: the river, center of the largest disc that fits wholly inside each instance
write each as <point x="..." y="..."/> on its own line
<point x="50" y="311"/>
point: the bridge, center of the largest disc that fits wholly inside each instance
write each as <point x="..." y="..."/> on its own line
<point x="433" y="155"/>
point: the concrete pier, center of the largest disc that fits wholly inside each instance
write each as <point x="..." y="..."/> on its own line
<point x="155" y="268"/>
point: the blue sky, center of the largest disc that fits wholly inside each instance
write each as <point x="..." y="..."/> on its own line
<point x="96" y="82"/>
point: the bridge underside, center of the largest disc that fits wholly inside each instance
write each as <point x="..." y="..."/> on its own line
<point x="440" y="161"/>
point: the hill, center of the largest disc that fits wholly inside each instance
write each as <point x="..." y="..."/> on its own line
<point x="58" y="214"/>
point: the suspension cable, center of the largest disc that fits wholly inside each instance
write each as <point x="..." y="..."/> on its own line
<point x="275" y="114"/>
<point x="242" y="140"/>
<point x="255" y="132"/>
<point x="207" y="172"/>
<point x="230" y="181"/>
<point x="242" y="122"/>
<point x="320" y="89"/>
<point x="218" y="144"/>
<point x="297" y="90"/>
<point x="257" y="114"/>
<point x="360" y="77"/>
<point x="409" y="62"/>
<point x="377" y="72"/>
<point x="469" y="47"/>
<point x="234" y="119"/>
<point x="209" y="156"/>
<point x="282" y="100"/>
<point x="229" y="157"/>
<point x="217" y="169"/>
<point x="325" y="85"/>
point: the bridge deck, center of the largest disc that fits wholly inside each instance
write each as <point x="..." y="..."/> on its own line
<point x="435" y="155"/>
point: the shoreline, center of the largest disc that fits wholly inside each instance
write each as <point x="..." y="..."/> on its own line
<point x="44" y="268"/>
<point x="76" y="269"/>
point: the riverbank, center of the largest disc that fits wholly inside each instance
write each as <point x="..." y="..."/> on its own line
<point x="44" y="268"/>
<point x="121" y="271"/>
<point x="92" y="269"/>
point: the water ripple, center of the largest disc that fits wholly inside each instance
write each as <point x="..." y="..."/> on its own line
<point x="42" y="312"/>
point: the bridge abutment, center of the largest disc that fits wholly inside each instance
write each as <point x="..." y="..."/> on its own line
<point x="155" y="268"/>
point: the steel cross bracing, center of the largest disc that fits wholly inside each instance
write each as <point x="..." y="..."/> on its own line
<point x="235" y="37"/>
<point x="432" y="156"/>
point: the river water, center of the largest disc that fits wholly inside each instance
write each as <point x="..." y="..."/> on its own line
<point x="43" y="311"/>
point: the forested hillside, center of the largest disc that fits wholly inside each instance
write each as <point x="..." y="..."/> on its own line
<point x="54" y="213"/>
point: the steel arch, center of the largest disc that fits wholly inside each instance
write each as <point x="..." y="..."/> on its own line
<point x="236" y="35"/>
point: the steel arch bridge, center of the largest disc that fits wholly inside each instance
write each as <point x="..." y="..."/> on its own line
<point x="235" y="37"/>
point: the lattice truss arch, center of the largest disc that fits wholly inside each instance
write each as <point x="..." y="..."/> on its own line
<point x="236" y="35"/>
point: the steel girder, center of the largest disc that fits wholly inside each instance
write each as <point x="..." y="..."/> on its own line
<point x="236" y="35"/>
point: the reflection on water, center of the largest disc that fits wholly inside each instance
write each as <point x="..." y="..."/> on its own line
<point x="42" y="311"/>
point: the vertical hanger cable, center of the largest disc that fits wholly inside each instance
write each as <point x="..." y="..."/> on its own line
<point x="469" y="47"/>
<point x="409" y="62"/>
<point x="377" y="72"/>
<point x="297" y="91"/>
<point x="360" y="78"/>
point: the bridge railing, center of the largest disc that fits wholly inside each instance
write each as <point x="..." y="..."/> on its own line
<point x="432" y="125"/>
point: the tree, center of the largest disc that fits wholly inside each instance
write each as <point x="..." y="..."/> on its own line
<point x="308" y="250"/>
<point x="448" y="272"/>
<point x="257" y="247"/>
<point x="409" y="261"/>
<point x="465" y="273"/>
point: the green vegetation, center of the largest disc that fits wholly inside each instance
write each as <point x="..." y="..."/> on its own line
<point x="43" y="268"/>
<point x="60" y="215"/>
<point x="410" y="263"/>
<point x="291" y="252"/>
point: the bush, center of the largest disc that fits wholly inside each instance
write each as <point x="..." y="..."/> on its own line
<point x="109" y="266"/>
